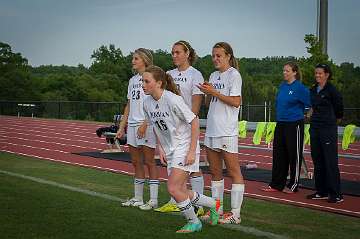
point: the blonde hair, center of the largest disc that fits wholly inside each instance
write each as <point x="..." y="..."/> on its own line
<point x="167" y="81"/>
<point x="187" y="48"/>
<point x="145" y="55"/>
<point x="229" y="51"/>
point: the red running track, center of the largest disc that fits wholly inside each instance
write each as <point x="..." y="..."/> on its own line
<point x="56" y="140"/>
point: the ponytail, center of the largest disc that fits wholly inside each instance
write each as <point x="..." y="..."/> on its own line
<point x="234" y="63"/>
<point x="167" y="82"/>
<point x="170" y="85"/>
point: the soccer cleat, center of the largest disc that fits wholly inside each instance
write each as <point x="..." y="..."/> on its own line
<point x="317" y="196"/>
<point x="133" y="202"/>
<point x="336" y="199"/>
<point x="190" y="228"/>
<point x="168" y="207"/>
<point x="148" y="206"/>
<point x="229" y="218"/>
<point x="214" y="213"/>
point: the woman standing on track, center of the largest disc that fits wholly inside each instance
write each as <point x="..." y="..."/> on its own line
<point x="291" y="100"/>
<point x="327" y="111"/>
<point x="140" y="136"/>
<point x="177" y="130"/>
<point x="186" y="79"/>
<point x="223" y="95"/>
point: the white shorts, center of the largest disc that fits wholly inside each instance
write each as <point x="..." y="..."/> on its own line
<point x="226" y="143"/>
<point x="149" y="140"/>
<point x="177" y="160"/>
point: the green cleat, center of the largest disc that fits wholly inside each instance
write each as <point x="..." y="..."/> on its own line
<point x="190" y="228"/>
<point x="168" y="207"/>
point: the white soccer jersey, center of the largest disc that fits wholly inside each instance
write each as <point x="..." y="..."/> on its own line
<point x="136" y="97"/>
<point x="186" y="82"/>
<point x="171" y="119"/>
<point x="222" y="119"/>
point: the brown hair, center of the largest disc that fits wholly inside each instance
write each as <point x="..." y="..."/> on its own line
<point x="145" y="55"/>
<point x="229" y="51"/>
<point x="188" y="48"/>
<point x="166" y="80"/>
<point x="294" y="68"/>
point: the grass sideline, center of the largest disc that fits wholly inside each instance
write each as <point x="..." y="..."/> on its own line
<point x="32" y="210"/>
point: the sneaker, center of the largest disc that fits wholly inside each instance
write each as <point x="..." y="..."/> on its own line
<point x="317" y="196"/>
<point x="168" y="207"/>
<point x="214" y="213"/>
<point x="190" y="228"/>
<point x="148" y="206"/>
<point x="133" y="202"/>
<point x="229" y="218"/>
<point x="199" y="211"/>
<point x="333" y="199"/>
<point x="288" y="191"/>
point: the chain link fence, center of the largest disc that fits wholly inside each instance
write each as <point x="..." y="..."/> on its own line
<point x="104" y="111"/>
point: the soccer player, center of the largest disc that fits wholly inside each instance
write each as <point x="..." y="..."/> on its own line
<point x="177" y="130"/>
<point x="186" y="79"/>
<point x="223" y="95"/>
<point x="140" y="135"/>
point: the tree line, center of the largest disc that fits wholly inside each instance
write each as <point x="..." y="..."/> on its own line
<point x="107" y="77"/>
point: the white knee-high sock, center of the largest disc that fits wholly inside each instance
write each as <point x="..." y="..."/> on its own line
<point x="139" y="188"/>
<point x="187" y="210"/>
<point x="237" y="196"/>
<point x="217" y="192"/>
<point x="154" y="189"/>
<point x="197" y="184"/>
<point x="202" y="200"/>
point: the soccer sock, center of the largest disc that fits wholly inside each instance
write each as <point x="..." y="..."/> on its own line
<point x="202" y="200"/>
<point x="154" y="189"/>
<point x="172" y="201"/>
<point x="237" y="195"/>
<point x="217" y="191"/>
<point x="139" y="188"/>
<point x="197" y="184"/>
<point x="187" y="210"/>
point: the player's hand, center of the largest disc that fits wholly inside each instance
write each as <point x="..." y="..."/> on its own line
<point x="206" y="88"/>
<point x="190" y="158"/>
<point x="162" y="156"/>
<point x="141" y="131"/>
<point x="119" y="134"/>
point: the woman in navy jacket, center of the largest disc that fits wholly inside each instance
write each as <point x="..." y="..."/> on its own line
<point x="327" y="107"/>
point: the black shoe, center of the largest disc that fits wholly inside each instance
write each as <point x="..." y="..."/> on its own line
<point x="335" y="199"/>
<point x="317" y="196"/>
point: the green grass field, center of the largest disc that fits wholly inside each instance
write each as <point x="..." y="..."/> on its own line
<point x="30" y="209"/>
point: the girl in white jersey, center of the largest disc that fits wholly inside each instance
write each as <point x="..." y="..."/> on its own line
<point x="140" y="136"/>
<point x="223" y="95"/>
<point x="186" y="79"/>
<point x="177" y="130"/>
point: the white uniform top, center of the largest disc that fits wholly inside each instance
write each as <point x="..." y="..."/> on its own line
<point x="186" y="82"/>
<point x="222" y="119"/>
<point x="136" y="98"/>
<point x="171" y="119"/>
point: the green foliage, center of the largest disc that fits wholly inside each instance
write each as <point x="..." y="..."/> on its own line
<point x="107" y="77"/>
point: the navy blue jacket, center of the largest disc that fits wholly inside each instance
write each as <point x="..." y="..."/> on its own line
<point x="327" y="106"/>
<point x="291" y="101"/>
